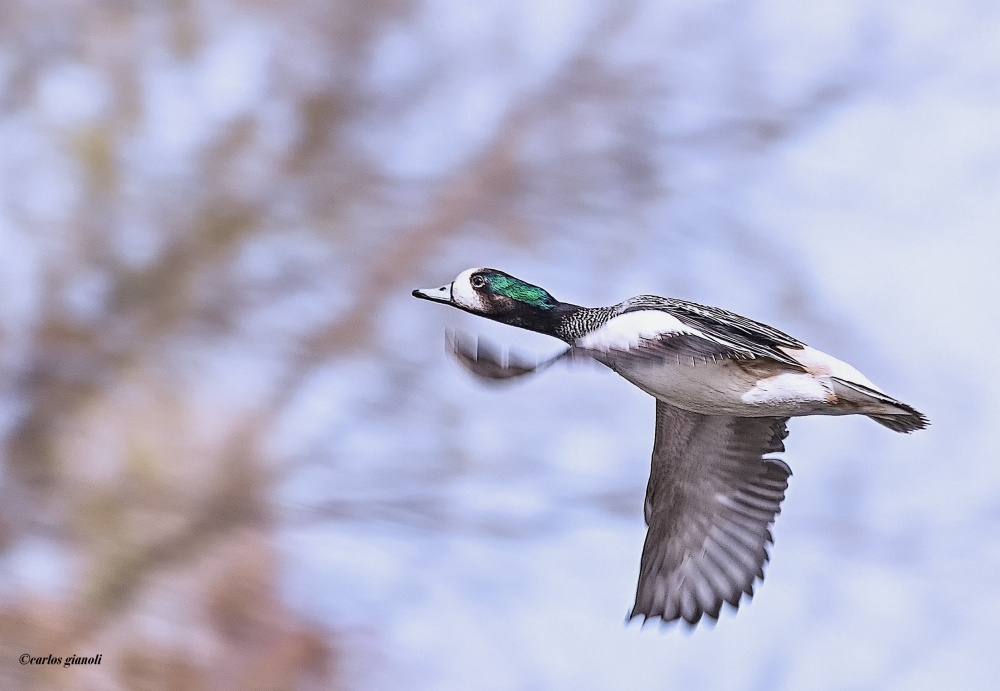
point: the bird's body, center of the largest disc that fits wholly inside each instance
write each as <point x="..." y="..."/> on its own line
<point x="725" y="385"/>
<point x="723" y="379"/>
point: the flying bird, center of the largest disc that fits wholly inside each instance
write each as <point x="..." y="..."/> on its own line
<point x="724" y="386"/>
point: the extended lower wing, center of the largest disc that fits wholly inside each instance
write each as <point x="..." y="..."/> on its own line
<point x="711" y="499"/>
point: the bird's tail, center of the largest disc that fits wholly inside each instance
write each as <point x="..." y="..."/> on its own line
<point x="885" y="410"/>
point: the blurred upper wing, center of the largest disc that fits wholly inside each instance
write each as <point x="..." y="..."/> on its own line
<point x="490" y="362"/>
<point x="709" y="504"/>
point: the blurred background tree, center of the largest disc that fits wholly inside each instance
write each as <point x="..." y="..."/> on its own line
<point x="212" y="213"/>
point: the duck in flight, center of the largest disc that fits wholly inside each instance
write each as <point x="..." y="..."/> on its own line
<point x="724" y="387"/>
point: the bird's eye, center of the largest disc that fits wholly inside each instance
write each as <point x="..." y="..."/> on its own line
<point x="478" y="281"/>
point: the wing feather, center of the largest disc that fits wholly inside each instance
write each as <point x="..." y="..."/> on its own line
<point x="711" y="499"/>
<point x="493" y="363"/>
<point x="738" y="333"/>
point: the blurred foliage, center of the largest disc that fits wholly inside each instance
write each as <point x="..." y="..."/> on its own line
<point x="175" y="211"/>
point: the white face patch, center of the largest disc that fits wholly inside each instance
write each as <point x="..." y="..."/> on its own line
<point x="462" y="293"/>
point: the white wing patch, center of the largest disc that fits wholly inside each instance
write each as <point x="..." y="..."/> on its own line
<point x="625" y="332"/>
<point x="819" y="364"/>
<point x="787" y="391"/>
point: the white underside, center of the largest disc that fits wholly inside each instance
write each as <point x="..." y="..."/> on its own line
<point x="754" y="388"/>
<point x="744" y="388"/>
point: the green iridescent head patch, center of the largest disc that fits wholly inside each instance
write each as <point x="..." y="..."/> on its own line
<point x="516" y="289"/>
